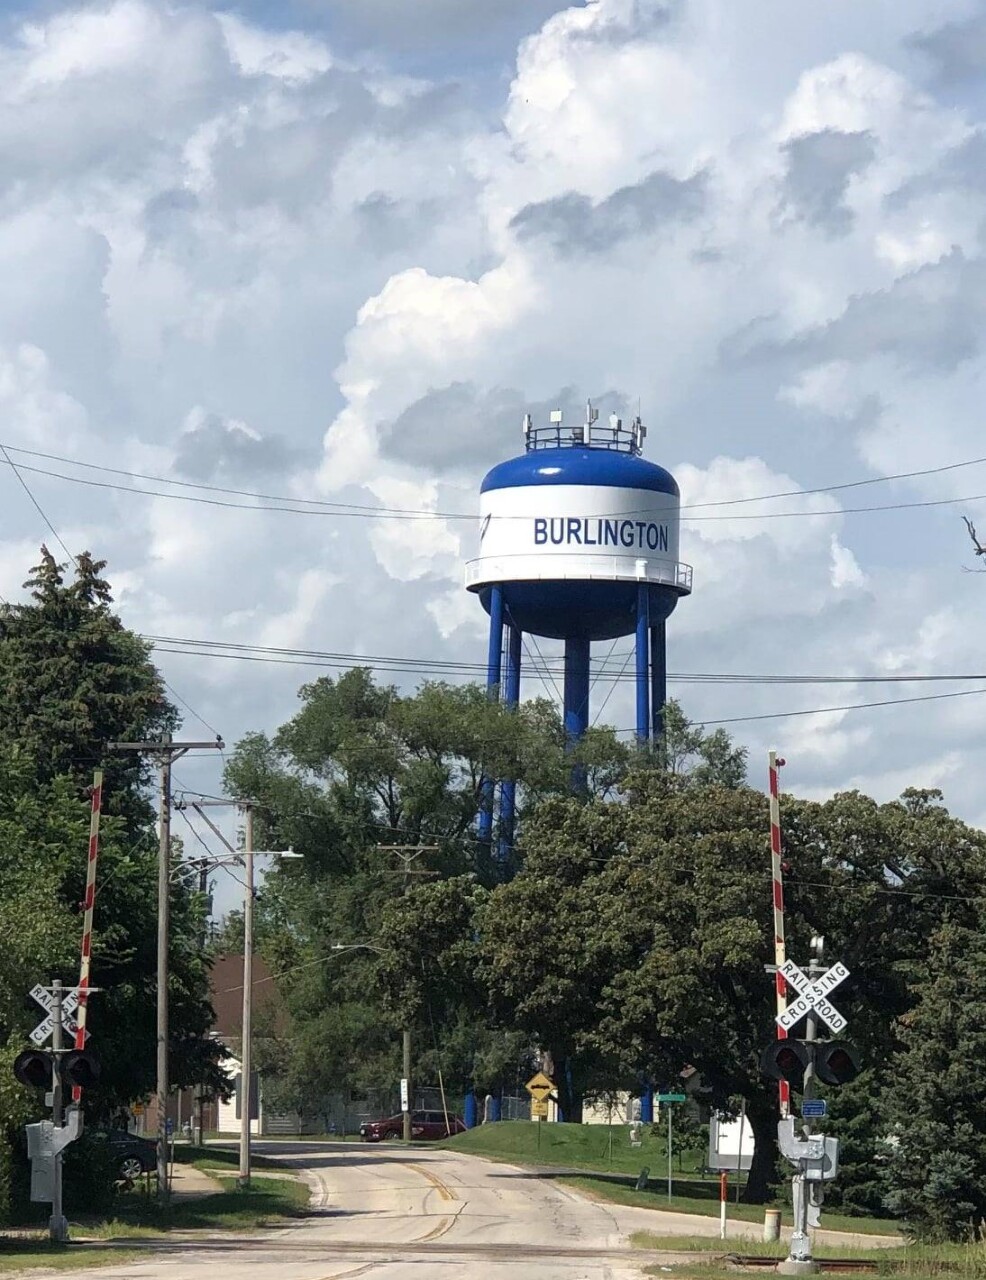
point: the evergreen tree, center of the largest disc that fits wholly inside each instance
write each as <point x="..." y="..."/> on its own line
<point x="935" y="1171"/>
<point x="73" y="679"/>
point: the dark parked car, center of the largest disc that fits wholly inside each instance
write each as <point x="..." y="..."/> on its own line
<point x="425" y="1125"/>
<point x="132" y="1154"/>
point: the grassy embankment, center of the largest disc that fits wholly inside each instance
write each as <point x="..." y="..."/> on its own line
<point x="599" y="1161"/>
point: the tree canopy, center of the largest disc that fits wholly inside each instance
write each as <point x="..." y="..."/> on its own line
<point x="73" y="679"/>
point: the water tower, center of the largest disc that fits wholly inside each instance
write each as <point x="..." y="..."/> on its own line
<point x="578" y="542"/>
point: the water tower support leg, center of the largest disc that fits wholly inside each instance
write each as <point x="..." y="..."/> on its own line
<point x="508" y="788"/>
<point x="658" y="678"/>
<point x="643" y="666"/>
<point x="576" y="697"/>
<point x="494" y="665"/>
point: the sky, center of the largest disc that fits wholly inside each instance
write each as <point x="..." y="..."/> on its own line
<point x="332" y="250"/>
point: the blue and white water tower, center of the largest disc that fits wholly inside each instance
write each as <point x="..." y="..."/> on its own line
<point x="579" y="542"/>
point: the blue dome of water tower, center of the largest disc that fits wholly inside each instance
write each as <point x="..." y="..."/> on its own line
<point x="592" y="608"/>
<point x="587" y="466"/>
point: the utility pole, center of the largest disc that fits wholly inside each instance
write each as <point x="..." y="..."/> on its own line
<point x="408" y="853"/>
<point x="246" y="1024"/>
<point x="246" y="1055"/>
<point x="800" y="1239"/>
<point x="246" y="1029"/>
<point x="57" y="1226"/>
<point x="166" y="753"/>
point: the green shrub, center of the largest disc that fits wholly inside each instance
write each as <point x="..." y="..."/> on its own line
<point x="89" y="1176"/>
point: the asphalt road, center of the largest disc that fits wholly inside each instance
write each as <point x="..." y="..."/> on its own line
<point x="388" y="1213"/>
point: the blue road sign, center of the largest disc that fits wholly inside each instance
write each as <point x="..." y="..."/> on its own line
<point x="169" y="1127"/>
<point x="814" y="1108"/>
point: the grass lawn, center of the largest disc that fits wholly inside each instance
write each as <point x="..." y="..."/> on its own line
<point x="777" y="1249"/>
<point x="211" y="1157"/>
<point x="915" y="1261"/>
<point x="268" y="1200"/>
<point x="24" y="1255"/>
<point x="578" y="1146"/>
<point x="265" y="1201"/>
<point x="605" y="1166"/>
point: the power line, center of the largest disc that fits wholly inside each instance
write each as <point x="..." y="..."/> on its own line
<point x="289" y="505"/>
<point x="437" y="666"/>
<point x="852" y="706"/>
<point x="75" y="560"/>
<point x="37" y="505"/>
<point x="615" y="681"/>
<point x="833" y="488"/>
<point x="320" y="502"/>
<point x="201" y="719"/>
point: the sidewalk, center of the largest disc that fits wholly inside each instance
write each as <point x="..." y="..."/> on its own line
<point x="188" y="1183"/>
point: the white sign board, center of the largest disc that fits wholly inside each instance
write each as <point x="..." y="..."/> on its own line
<point x="812" y="996"/>
<point x="405" y="1100"/>
<point x="70" y="1000"/>
<point x="46" y="1026"/>
<point x="534" y="531"/>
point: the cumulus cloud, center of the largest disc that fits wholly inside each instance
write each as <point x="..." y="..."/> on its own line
<point x="819" y="168"/>
<point x="957" y="50"/>
<point x="210" y="448"/>
<point x="248" y="255"/>
<point x="574" y="225"/>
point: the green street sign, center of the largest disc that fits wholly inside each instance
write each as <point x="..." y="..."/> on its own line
<point x="671" y="1097"/>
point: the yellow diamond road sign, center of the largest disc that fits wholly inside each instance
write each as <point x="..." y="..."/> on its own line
<point x="539" y="1086"/>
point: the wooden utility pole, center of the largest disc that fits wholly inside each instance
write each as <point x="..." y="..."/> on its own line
<point x="246" y="1030"/>
<point x="407" y="854"/>
<point x="166" y="752"/>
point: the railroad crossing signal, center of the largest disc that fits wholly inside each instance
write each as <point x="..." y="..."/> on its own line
<point x="539" y="1087"/>
<point x="812" y="995"/>
<point x="44" y="1029"/>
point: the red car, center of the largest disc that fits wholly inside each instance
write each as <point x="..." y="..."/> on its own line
<point x="425" y="1126"/>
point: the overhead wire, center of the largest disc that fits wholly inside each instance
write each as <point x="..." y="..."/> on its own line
<point x="292" y="505"/>
<point x="615" y="681"/>
<point x="75" y="560"/>
<point x="432" y="666"/>
<point x="252" y="655"/>
<point x="37" y="505"/>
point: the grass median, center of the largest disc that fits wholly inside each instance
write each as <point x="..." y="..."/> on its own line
<point x="599" y="1161"/>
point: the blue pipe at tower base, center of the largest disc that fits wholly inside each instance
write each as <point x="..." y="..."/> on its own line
<point x="508" y="788"/>
<point x="643" y="664"/>
<point x="659" y="679"/>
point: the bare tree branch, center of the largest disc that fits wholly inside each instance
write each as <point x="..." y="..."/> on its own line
<point x="980" y="549"/>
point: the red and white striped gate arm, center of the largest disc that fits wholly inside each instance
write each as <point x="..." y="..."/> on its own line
<point x="88" y="905"/>
<point x="777" y="875"/>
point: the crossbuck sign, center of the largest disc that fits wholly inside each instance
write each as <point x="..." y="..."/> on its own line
<point x="812" y="995"/>
<point x="47" y="1025"/>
